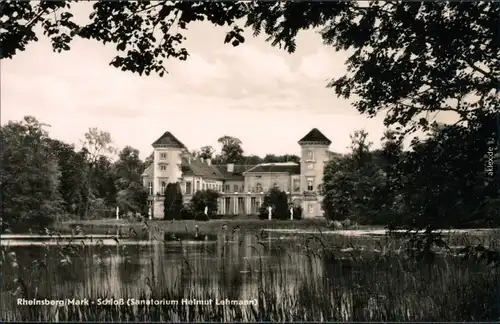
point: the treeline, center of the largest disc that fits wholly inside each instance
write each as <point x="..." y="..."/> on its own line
<point x="232" y="152"/>
<point x="449" y="179"/>
<point x="44" y="179"/>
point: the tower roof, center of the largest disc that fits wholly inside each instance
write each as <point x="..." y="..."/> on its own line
<point x="315" y="136"/>
<point x="168" y="140"/>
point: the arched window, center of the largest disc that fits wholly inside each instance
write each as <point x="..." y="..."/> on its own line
<point x="163" y="187"/>
<point x="259" y="187"/>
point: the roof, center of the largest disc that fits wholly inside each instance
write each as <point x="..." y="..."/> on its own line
<point x="169" y="140"/>
<point x="198" y="168"/>
<point x="237" y="174"/>
<point x="288" y="167"/>
<point x="148" y="172"/>
<point x="315" y="136"/>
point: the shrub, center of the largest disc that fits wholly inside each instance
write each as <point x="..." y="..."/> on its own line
<point x="205" y="198"/>
<point x="173" y="203"/>
<point x="278" y="200"/>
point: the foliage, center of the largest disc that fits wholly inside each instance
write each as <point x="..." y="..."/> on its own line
<point x="43" y="178"/>
<point x="97" y="144"/>
<point x="271" y="158"/>
<point x="297" y="212"/>
<point x="30" y="176"/>
<point x="407" y="58"/>
<point x="205" y="198"/>
<point x="173" y="202"/>
<point x="278" y="201"/>
<point x="149" y="160"/>
<point x="443" y="181"/>
<point x="387" y="285"/>
<point x="73" y="179"/>
<point x="128" y="170"/>
<point x="206" y="152"/>
<point x="231" y="152"/>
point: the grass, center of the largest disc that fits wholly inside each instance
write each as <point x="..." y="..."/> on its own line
<point x="320" y="279"/>
<point x="212" y="226"/>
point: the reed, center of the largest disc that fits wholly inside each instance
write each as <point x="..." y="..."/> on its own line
<point x="315" y="278"/>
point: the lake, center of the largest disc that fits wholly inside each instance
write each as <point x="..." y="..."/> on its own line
<point x="240" y="276"/>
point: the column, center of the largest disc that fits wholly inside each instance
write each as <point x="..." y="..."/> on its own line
<point x="236" y="205"/>
<point x="248" y="209"/>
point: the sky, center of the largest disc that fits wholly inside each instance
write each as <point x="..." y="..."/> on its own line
<point x="262" y="95"/>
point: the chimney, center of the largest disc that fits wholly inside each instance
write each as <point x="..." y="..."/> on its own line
<point x="230" y="167"/>
<point x="209" y="161"/>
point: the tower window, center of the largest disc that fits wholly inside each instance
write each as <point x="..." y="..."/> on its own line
<point x="310" y="155"/>
<point x="163" y="156"/>
<point x="310" y="208"/>
<point x="163" y="186"/>
<point x="163" y="167"/>
<point x="259" y="187"/>
<point x="310" y="184"/>
<point x="310" y="166"/>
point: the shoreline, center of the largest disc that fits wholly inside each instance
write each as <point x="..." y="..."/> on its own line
<point x="211" y="226"/>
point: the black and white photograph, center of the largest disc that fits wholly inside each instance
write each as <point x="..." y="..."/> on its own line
<point x="250" y="161"/>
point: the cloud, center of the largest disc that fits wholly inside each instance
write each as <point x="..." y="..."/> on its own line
<point x="199" y="71"/>
<point x="324" y="64"/>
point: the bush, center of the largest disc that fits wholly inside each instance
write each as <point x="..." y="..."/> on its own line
<point x="205" y="198"/>
<point x="278" y="200"/>
<point x="173" y="203"/>
<point x="297" y="212"/>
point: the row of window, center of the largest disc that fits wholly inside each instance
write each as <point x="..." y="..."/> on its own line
<point x="163" y="167"/>
<point x="227" y="188"/>
<point x="310" y="157"/>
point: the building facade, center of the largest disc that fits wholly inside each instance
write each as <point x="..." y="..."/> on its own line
<point x="242" y="187"/>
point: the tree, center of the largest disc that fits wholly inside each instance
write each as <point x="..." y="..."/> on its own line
<point x="205" y="198"/>
<point x="206" y="152"/>
<point x="408" y="58"/>
<point x="29" y="176"/>
<point x="231" y="152"/>
<point x="352" y="185"/>
<point x="278" y="201"/>
<point x="149" y="160"/>
<point x="133" y="199"/>
<point x="131" y="195"/>
<point x="128" y="167"/>
<point x="73" y="179"/>
<point x="271" y="158"/>
<point x="251" y="160"/>
<point x="173" y="202"/>
<point x="96" y="143"/>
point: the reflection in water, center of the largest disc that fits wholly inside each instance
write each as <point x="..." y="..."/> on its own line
<point x="292" y="279"/>
<point x="230" y="268"/>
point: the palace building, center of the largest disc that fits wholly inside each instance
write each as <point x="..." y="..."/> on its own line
<point x="242" y="187"/>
